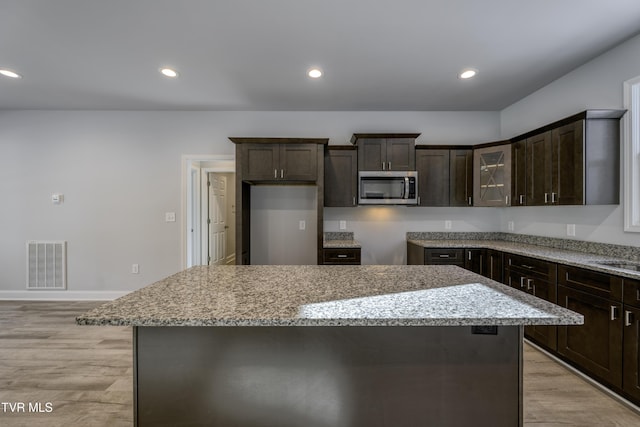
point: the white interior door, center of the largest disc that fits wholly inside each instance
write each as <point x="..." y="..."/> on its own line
<point x="217" y="222"/>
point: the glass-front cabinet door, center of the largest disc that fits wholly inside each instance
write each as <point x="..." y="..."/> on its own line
<point x="492" y="176"/>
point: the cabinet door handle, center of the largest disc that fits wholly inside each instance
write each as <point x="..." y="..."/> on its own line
<point x="522" y="199"/>
<point x="522" y="282"/>
<point x="628" y="318"/>
<point x="281" y="173"/>
<point x="275" y="173"/>
<point x="418" y="200"/>
<point x="443" y="256"/>
<point x="354" y="200"/>
<point x="553" y="197"/>
<point x="614" y="312"/>
<point x="469" y="255"/>
<point x="546" y="197"/>
<point x="382" y="165"/>
<point x="529" y="286"/>
<point x="389" y="168"/>
<point x="341" y="256"/>
<point x="506" y="200"/>
<point x="470" y="201"/>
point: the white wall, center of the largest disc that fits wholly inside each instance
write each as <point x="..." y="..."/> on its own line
<point x="120" y="172"/>
<point x="597" y="84"/>
<point x="276" y="212"/>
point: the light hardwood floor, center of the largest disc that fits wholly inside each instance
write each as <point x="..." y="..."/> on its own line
<point x="85" y="372"/>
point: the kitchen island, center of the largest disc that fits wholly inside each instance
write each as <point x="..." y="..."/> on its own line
<point x="328" y="346"/>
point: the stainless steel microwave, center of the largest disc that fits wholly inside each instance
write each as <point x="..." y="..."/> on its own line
<point x="387" y="188"/>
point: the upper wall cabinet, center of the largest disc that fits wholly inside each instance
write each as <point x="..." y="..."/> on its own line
<point x="445" y="175"/>
<point x="574" y="161"/>
<point x="386" y="151"/>
<point x="340" y="176"/>
<point x="270" y="161"/>
<point x="492" y="175"/>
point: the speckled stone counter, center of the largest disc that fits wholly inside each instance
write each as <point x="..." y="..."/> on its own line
<point x="340" y="240"/>
<point x="320" y="346"/>
<point x="569" y="257"/>
<point x="327" y="296"/>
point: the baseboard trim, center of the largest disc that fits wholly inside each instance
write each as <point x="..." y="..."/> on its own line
<point x="62" y="295"/>
<point x="587" y="378"/>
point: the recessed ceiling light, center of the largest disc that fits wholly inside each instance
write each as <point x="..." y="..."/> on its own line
<point x="314" y="73"/>
<point x="467" y="73"/>
<point x="169" y="72"/>
<point x="9" y="73"/>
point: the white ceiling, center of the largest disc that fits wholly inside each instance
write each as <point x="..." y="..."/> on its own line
<point x="254" y="54"/>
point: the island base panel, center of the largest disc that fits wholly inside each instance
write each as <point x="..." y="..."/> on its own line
<point x="327" y="376"/>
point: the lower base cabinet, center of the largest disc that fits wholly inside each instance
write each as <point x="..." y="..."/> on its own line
<point x="595" y="346"/>
<point x="606" y="347"/>
<point x="631" y="339"/>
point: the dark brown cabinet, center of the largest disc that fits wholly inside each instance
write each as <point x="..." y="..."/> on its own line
<point x="445" y="176"/>
<point x="631" y="340"/>
<point x="596" y="346"/>
<point x="492" y="175"/>
<point x="494" y="261"/>
<point x="518" y="173"/>
<point x="385" y="152"/>
<point x="340" y="176"/>
<point x="341" y="256"/>
<point x="475" y="260"/>
<point x="279" y="162"/>
<point x="538" y="278"/>
<point x="555" y="164"/>
<point x="461" y="177"/>
<point x="433" y="177"/>
<point x="573" y="161"/>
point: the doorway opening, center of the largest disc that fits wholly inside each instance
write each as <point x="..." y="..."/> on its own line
<point x="208" y="232"/>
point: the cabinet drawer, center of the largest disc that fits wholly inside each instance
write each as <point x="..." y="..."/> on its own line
<point x="341" y="256"/>
<point x="632" y="292"/>
<point x="532" y="267"/>
<point x="444" y="256"/>
<point x="599" y="284"/>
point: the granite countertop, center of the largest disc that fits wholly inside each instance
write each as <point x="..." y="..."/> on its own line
<point x="371" y="295"/>
<point x="574" y="258"/>
<point x="340" y="240"/>
<point x="330" y="244"/>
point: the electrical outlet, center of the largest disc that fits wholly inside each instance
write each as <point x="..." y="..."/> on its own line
<point x="343" y="225"/>
<point x="447" y="225"/>
<point x="170" y="217"/>
<point x="571" y="229"/>
<point x="511" y="226"/>
<point x="135" y="269"/>
<point x="303" y="224"/>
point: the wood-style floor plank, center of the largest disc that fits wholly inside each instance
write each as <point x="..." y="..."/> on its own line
<point x="86" y="373"/>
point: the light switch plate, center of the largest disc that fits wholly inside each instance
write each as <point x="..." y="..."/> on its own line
<point x="302" y="224"/>
<point x="571" y="229"/>
<point x="511" y="226"/>
<point x="343" y="225"/>
<point x="170" y="217"/>
<point x="447" y="225"/>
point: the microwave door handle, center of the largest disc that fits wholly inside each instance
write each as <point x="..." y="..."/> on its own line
<point x="405" y="189"/>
